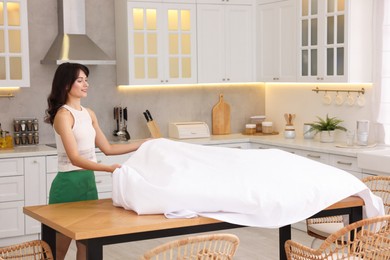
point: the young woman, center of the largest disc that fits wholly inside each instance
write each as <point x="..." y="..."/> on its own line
<point x="77" y="133"/>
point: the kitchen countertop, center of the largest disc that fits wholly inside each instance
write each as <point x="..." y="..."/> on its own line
<point x="279" y="140"/>
<point x="275" y="140"/>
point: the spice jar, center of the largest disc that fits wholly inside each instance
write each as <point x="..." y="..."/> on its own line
<point x="258" y="121"/>
<point x="267" y="127"/>
<point x="250" y="129"/>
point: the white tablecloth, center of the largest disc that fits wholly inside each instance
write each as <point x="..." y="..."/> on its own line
<point x="264" y="188"/>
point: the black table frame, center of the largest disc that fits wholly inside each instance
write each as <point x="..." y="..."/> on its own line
<point x="95" y="245"/>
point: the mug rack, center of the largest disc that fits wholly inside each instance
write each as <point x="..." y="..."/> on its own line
<point x="360" y="91"/>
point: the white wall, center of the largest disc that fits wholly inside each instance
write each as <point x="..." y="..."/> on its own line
<point x="299" y="99"/>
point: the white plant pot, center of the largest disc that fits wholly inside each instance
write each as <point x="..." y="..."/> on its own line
<point x="327" y="136"/>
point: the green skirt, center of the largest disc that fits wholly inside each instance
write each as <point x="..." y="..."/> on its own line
<point x="73" y="186"/>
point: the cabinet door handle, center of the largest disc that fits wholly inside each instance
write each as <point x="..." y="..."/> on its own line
<point x="314" y="156"/>
<point x="98" y="181"/>
<point x="344" y="163"/>
<point x="99" y="161"/>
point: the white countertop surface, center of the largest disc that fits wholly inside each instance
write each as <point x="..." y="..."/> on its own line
<point x="276" y="140"/>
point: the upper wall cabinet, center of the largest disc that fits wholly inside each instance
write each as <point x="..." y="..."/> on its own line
<point x="276" y="42"/>
<point x="155" y="43"/>
<point x="225" y="43"/>
<point x="14" y="53"/>
<point x="335" y="40"/>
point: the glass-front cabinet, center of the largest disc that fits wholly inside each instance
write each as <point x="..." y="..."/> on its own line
<point x="14" y="53"/>
<point x="330" y="32"/>
<point x="156" y="44"/>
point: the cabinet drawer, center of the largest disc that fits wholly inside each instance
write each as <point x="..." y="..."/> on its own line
<point x="261" y="146"/>
<point x="11" y="188"/>
<point x="103" y="182"/>
<point x="12" y="219"/>
<point x="11" y="167"/>
<point x="344" y="162"/>
<point x="317" y="156"/>
<point x="234" y="145"/>
<point x="51" y="164"/>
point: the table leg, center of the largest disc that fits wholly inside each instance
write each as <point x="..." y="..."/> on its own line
<point x="355" y="215"/>
<point x="94" y="249"/>
<point x="49" y="236"/>
<point x="284" y="235"/>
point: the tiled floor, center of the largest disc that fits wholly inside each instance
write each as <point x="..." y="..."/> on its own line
<point x="255" y="244"/>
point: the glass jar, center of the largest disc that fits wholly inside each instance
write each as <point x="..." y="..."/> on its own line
<point x="250" y="129"/>
<point x="258" y="121"/>
<point x="267" y="127"/>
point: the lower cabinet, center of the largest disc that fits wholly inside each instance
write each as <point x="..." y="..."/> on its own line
<point x="26" y="182"/>
<point x="22" y="183"/>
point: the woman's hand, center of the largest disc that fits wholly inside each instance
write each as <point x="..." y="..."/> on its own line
<point x="113" y="167"/>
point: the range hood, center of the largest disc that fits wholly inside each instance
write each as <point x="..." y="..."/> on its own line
<point x="72" y="43"/>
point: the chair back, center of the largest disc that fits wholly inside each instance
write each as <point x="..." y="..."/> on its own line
<point x="380" y="186"/>
<point x="202" y="247"/>
<point x="365" y="239"/>
<point x="36" y="249"/>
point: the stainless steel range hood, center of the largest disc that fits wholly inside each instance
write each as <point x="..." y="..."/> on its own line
<point x="72" y="44"/>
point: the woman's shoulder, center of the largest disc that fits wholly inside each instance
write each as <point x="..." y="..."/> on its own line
<point x="90" y="112"/>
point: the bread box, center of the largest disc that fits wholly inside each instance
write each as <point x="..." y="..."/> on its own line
<point x="184" y="130"/>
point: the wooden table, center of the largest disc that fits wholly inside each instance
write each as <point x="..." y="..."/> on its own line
<point x="97" y="223"/>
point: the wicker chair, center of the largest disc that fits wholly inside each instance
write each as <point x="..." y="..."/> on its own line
<point x="365" y="239"/>
<point x="320" y="228"/>
<point x="32" y="250"/>
<point x="202" y="247"/>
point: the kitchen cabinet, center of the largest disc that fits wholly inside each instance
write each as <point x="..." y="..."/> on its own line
<point x="276" y="42"/>
<point x="14" y="49"/>
<point x="11" y="197"/>
<point x="346" y="163"/>
<point x="104" y="179"/>
<point x="225" y="43"/>
<point x="155" y="43"/>
<point x="35" y="189"/>
<point x="331" y="34"/>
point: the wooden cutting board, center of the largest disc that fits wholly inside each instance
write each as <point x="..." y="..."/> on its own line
<point x="221" y="117"/>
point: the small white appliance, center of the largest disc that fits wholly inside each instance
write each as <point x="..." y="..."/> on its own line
<point x="362" y="130"/>
<point x="185" y="130"/>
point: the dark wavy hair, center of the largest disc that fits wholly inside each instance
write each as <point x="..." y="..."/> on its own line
<point x="64" y="77"/>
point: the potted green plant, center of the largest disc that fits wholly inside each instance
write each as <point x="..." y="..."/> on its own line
<point x="326" y="128"/>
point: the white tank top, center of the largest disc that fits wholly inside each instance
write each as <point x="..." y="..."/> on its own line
<point x="84" y="134"/>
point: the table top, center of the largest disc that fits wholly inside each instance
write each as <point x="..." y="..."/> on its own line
<point x="99" y="218"/>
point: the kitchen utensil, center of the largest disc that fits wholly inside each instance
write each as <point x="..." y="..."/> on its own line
<point x="127" y="135"/>
<point x="116" y="118"/>
<point x="327" y="99"/>
<point x="350" y="99"/>
<point x="153" y="128"/>
<point x="221" y="117"/>
<point x="361" y="101"/>
<point x="339" y="99"/>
